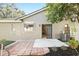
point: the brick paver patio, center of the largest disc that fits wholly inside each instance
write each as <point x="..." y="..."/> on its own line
<point x="24" y="48"/>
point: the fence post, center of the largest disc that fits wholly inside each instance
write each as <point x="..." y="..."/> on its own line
<point x="1" y="49"/>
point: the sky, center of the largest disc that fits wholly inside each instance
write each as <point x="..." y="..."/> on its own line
<point x="29" y="7"/>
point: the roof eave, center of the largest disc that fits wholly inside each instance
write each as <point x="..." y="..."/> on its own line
<point x="31" y="14"/>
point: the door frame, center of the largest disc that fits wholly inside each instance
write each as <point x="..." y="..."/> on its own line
<point x="42" y="31"/>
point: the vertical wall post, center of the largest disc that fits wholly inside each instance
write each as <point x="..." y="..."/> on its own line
<point x="1" y="49"/>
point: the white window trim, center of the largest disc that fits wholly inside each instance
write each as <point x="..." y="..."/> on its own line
<point x="28" y="29"/>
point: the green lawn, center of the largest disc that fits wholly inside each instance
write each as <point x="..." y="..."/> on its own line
<point x="6" y="42"/>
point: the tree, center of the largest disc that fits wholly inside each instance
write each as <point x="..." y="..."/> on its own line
<point x="10" y="11"/>
<point x="57" y="12"/>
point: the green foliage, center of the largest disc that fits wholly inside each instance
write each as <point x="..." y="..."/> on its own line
<point x="74" y="30"/>
<point x="10" y="11"/>
<point x="56" y="12"/>
<point x="73" y="42"/>
<point x="5" y="42"/>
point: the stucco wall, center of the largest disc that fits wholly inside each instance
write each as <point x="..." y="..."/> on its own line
<point x="6" y="31"/>
<point x="38" y="19"/>
<point x="59" y="27"/>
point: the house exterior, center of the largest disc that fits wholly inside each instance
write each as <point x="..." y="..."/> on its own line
<point x="34" y="26"/>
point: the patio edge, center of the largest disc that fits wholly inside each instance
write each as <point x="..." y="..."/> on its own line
<point x="10" y="45"/>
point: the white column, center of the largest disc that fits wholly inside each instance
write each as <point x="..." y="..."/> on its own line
<point x="1" y="49"/>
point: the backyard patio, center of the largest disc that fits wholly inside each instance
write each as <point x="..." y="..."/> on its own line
<point x="50" y="31"/>
<point x="27" y="48"/>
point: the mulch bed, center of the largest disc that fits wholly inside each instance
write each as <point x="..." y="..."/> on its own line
<point x="60" y="52"/>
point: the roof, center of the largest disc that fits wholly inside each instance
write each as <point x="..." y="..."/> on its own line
<point x="22" y="17"/>
<point x="31" y="14"/>
<point x="9" y="21"/>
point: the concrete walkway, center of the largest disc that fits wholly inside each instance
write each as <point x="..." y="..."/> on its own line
<point x="22" y="48"/>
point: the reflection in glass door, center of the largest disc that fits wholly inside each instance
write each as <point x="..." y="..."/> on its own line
<point x="47" y="31"/>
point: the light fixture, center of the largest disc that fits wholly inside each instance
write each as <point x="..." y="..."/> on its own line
<point x="25" y="29"/>
<point x="74" y="17"/>
<point x="66" y="25"/>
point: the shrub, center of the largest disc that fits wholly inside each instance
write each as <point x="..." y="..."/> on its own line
<point x="5" y="42"/>
<point x="73" y="43"/>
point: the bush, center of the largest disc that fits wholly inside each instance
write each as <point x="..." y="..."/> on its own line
<point x="5" y="42"/>
<point x="73" y="43"/>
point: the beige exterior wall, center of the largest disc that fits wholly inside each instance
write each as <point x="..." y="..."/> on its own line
<point x="6" y="31"/>
<point x="59" y="27"/>
<point x="38" y="19"/>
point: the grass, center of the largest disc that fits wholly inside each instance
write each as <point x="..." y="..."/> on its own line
<point x="5" y="42"/>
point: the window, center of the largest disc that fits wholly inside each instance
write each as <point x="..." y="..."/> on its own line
<point x="12" y="27"/>
<point x="28" y="27"/>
